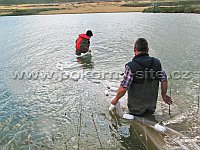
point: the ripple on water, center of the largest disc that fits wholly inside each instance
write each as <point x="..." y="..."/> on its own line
<point x="54" y="114"/>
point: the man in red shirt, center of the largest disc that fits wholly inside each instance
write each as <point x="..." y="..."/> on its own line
<point x="83" y="42"/>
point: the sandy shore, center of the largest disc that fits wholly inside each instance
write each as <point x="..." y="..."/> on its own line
<point x="72" y="8"/>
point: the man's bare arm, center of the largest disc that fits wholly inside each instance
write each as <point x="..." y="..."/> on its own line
<point x="165" y="97"/>
<point x="120" y="93"/>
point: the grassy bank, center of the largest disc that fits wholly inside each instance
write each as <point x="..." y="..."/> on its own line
<point x="34" y="11"/>
<point x="164" y="3"/>
<point x="101" y="7"/>
<point x="66" y="8"/>
<point x="168" y="7"/>
<point x="179" y="9"/>
<point x="19" y="2"/>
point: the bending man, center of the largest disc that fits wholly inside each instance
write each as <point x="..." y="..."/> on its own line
<point x="83" y="42"/>
<point x="141" y="79"/>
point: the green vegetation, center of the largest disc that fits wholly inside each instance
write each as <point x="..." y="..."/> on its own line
<point x="181" y="9"/>
<point x="168" y="7"/>
<point x="158" y="4"/>
<point x="34" y="11"/>
<point x="11" y="7"/>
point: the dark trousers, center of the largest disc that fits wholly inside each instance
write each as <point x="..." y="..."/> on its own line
<point x="78" y="52"/>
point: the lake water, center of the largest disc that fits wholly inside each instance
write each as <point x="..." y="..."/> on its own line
<point x="71" y="114"/>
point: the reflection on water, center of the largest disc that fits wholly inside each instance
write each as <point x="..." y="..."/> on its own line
<point x="86" y="61"/>
<point x="73" y="114"/>
<point x="134" y="131"/>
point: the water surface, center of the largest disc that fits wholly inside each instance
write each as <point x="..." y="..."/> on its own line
<point x="68" y="114"/>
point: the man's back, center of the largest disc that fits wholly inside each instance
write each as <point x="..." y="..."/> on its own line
<point x="83" y="42"/>
<point x="143" y="91"/>
<point x="139" y="80"/>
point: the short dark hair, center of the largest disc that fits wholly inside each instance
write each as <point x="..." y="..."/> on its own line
<point x="89" y="33"/>
<point x="141" y="45"/>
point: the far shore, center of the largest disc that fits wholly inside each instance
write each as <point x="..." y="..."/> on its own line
<point x="102" y="7"/>
<point x="67" y="8"/>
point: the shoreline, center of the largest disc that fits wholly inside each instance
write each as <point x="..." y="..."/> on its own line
<point x="100" y="7"/>
<point x="67" y="8"/>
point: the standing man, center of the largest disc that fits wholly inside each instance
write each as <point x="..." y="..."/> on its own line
<point x="141" y="79"/>
<point x="83" y="42"/>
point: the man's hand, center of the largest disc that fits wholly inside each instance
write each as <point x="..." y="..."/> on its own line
<point x="111" y="107"/>
<point x="167" y="99"/>
<point x="120" y="93"/>
<point x="114" y="101"/>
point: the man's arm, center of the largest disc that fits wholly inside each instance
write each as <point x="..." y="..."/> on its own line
<point x="126" y="82"/>
<point x="165" y="97"/>
<point x="120" y="93"/>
